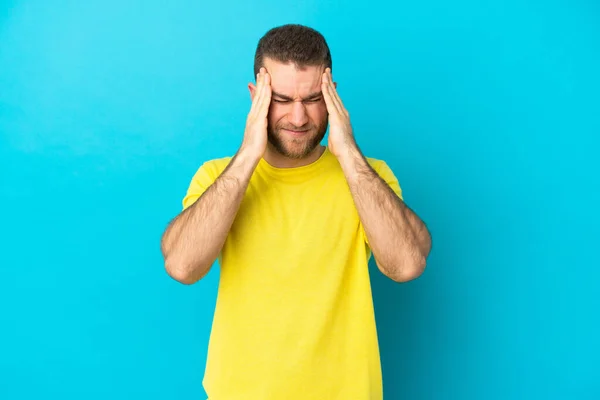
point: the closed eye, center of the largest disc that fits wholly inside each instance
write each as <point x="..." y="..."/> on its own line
<point x="312" y="98"/>
<point x="316" y="100"/>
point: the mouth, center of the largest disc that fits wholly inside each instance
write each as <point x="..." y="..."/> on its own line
<point x="296" y="133"/>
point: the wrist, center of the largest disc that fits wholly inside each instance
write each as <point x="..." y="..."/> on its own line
<point x="354" y="165"/>
<point x="243" y="164"/>
<point x="246" y="155"/>
<point x="350" y="157"/>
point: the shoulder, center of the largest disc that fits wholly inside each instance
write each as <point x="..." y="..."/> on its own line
<point x="376" y="163"/>
<point x="204" y="176"/>
<point x="210" y="170"/>
<point x="216" y="165"/>
<point x="382" y="168"/>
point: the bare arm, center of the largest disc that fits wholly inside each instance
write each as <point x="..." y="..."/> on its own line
<point x="193" y="240"/>
<point x="399" y="240"/>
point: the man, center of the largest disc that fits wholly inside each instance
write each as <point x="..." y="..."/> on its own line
<point x="293" y="224"/>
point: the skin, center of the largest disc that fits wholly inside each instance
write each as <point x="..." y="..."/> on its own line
<point x="282" y="106"/>
<point x="400" y="241"/>
<point x="297" y="104"/>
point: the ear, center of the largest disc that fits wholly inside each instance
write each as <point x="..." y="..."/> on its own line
<point x="252" y="89"/>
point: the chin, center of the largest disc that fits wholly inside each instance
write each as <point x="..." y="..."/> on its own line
<point x="296" y="152"/>
<point x="295" y="148"/>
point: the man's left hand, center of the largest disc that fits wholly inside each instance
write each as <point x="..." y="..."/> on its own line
<point x="341" y="138"/>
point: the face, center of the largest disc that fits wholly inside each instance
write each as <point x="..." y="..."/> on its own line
<point x="297" y="119"/>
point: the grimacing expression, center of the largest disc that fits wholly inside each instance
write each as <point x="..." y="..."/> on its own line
<point x="298" y="118"/>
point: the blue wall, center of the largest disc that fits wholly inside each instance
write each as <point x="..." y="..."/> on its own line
<point x="488" y="112"/>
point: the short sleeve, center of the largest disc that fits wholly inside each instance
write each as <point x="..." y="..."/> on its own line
<point x="388" y="176"/>
<point x="205" y="176"/>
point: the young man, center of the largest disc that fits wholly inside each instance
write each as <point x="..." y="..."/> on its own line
<point x="293" y="225"/>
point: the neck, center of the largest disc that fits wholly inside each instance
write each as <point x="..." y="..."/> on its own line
<point x="278" y="160"/>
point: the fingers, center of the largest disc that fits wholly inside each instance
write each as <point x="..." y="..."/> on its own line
<point x="262" y="97"/>
<point x="259" y="85"/>
<point x="336" y="96"/>
<point x="265" y="101"/>
<point x="327" y="95"/>
<point x="332" y="99"/>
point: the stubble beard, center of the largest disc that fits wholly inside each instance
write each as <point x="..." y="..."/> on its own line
<point x="296" y="148"/>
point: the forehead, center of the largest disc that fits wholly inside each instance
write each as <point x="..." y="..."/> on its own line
<point x="293" y="81"/>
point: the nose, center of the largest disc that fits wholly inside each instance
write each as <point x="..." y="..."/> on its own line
<point x="298" y="115"/>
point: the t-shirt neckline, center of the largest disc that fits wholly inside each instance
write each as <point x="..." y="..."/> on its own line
<point x="296" y="173"/>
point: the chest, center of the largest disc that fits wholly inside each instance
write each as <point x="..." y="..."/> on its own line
<point x="296" y="219"/>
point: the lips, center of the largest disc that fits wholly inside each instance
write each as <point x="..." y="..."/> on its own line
<point x="296" y="133"/>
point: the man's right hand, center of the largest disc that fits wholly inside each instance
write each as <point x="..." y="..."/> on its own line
<point x="255" y="135"/>
<point x="193" y="240"/>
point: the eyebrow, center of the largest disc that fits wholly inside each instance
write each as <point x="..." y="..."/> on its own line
<point x="311" y="96"/>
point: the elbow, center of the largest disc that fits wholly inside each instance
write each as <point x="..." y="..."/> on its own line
<point x="180" y="273"/>
<point x="406" y="271"/>
<point x="413" y="265"/>
<point x="414" y="269"/>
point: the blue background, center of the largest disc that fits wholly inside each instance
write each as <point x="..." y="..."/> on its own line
<point x="487" y="111"/>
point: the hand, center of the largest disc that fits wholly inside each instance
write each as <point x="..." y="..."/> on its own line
<point x="341" y="139"/>
<point x="255" y="135"/>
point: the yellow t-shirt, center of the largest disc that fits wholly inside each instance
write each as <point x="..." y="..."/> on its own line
<point x="294" y="317"/>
